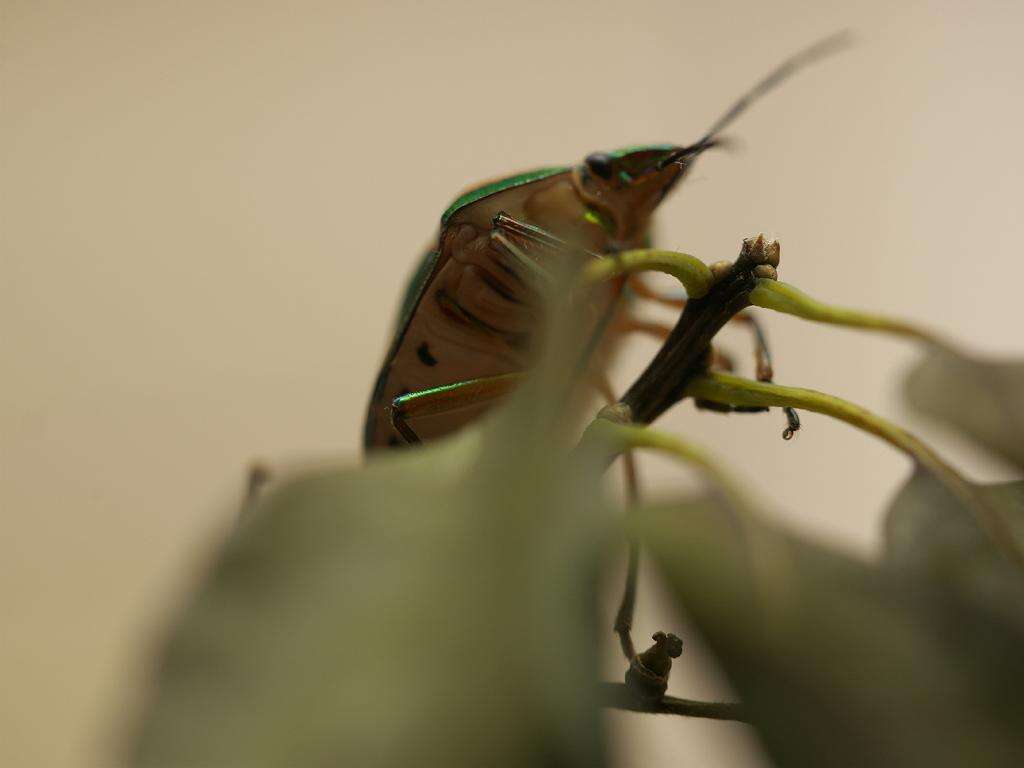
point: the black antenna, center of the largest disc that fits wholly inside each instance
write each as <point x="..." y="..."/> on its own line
<point x="819" y="50"/>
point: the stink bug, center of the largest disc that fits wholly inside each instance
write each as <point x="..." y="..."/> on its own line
<point x="467" y="321"/>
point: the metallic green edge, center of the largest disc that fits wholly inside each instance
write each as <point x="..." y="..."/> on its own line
<point x="415" y="282"/>
<point x="413" y="396"/>
<point x="536" y="175"/>
<point x="499" y="186"/>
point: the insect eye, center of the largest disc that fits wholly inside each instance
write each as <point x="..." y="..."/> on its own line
<point x="599" y="164"/>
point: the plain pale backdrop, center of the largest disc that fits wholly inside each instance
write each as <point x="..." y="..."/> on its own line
<point x="209" y="209"/>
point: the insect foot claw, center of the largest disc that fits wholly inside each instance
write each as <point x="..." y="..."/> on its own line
<point x="647" y="676"/>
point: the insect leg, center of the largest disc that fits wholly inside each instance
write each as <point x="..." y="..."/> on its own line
<point x="520" y="241"/>
<point x="719" y="359"/>
<point x="631" y="324"/>
<point x="448" y="397"/>
<point x="765" y="369"/>
<point x="695" y="275"/>
<point x="624" y="616"/>
<point x="534" y="272"/>
<point x="764" y="372"/>
<point x="640" y="287"/>
<point x="762" y="354"/>
<point x="527" y="235"/>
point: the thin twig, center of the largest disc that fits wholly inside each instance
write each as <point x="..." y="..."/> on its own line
<point x="618" y="696"/>
<point x="685" y="353"/>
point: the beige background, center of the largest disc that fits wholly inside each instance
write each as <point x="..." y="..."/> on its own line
<point x="209" y="210"/>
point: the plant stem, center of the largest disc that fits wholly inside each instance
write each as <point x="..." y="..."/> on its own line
<point x="688" y="270"/>
<point x="620" y="437"/>
<point x="685" y="353"/>
<point x="734" y="390"/>
<point x="782" y="297"/>
<point x="618" y="696"/>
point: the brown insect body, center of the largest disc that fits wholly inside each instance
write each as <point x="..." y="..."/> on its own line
<point x="470" y="315"/>
<point x="476" y="314"/>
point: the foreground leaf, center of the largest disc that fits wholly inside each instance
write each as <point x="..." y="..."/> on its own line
<point x="387" y="616"/>
<point x="929" y="533"/>
<point x="836" y="662"/>
<point x="431" y="609"/>
<point x="937" y="550"/>
<point x="984" y="399"/>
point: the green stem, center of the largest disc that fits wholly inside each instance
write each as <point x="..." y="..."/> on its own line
<point x="688" y="270"/>
<point x="618" y="437"/>
<point x="734" y="390"/>
<point x="782" y="297"/>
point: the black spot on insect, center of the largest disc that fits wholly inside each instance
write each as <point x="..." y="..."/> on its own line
<point x="423" y="353"/>
<point x="394" y="442"/>
<point x="599" y="164"/>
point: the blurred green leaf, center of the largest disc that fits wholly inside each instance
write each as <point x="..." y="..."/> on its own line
<point x="837" y="662"/>
<point x="928" y="531"/>
<point x="426" y="610"/>
<point x="984" y="399"/>
<point x="934" y="545"/>
<point x="434" y="608"/>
